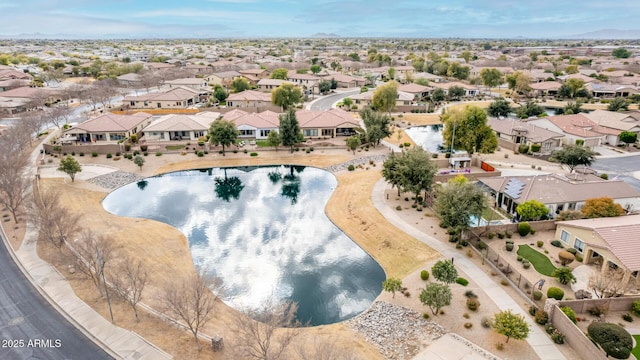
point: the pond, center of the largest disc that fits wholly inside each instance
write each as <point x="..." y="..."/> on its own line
<point x="429" y="137"/>
<point x="262" y="231"/>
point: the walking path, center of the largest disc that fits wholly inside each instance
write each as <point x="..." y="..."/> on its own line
<point x="538" y="340"/>
<point x="118" y="342"/>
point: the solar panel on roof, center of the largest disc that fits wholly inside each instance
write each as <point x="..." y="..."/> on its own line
<point x="514" y="188"/>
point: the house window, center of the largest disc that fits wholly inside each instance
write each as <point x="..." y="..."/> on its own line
<point x="247" y="132"/>
<point x="264" y="132"/>
<point x="310" y="132"/>
<point x="578" y="245"/>
<point x="546" y="146"/>
<point x="564" y="236"/>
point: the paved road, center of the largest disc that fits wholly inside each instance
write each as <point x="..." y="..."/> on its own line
<point x="30" y="328"/>
<point x="326" y="102"/>
<point x="623" y="167"/>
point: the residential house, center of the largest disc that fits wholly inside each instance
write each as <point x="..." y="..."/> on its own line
<point x="611" y="90"/>
<point x="557" y="192"/>
<point x="180" y="127"/>
<point x="249" y="98"/>
<point x="474" y="71"/>
<point x="176" y="98"/>
<point x="254" y="125"/>
<point x="429" y="77"/>
<point x="366" y="98"/>
<point x="255" y="74"/>
<point x="109" y="128"/>
<point x="520" y="132"/>
<point x="586" y="79"/>
<point x="469" y="90"/>
<point x="326" y="123"/>
<point x="346" y="81"/>
<point x="306" y="82"/>
<point x="25" y="98"/>
<point x="194" y="83"/>
<point x="12" y="74"/>
<point x="611" y="242"/>
<point x="545" y="88"/>
<point x="224" y="78"/>
<point x="419" y="92"/>
<point x="130" y="79"/>
<point x="269" y="84"/>
<point x="578" y="127"/>
<point x="620" y="121"/>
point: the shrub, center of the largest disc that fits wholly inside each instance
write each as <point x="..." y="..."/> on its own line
<point x="509" y="246"/>
<point x="200" y="143"/>
<point x="566" y="257"/>
<point x="523" y="149"/>
<point x="491" y="235"/>
<point x="535" y="148"/>
<point x="570" y="313"/>
<point x="604" y="176"/>
<point x="555" y="293"/>
<point x="407" y="144"/>
<point x="424" y="275"/>
<point x="486" y="322"/>
<point x="627" y="317"/>
<point x="597" y="310"/>
<point x="399" y="208"/>
<point x="526" y="264"/>
<point x="613" y="339"/>
<point x="556" y="243"/>
<point x="572" y="250"/>
<point x="482" y="245"/>
<point x="548" y="328"/>
<point x="508" y="234"/>
<point x="501" y="234"/>
<point x="557" y="336"/>
<point x="470" y="294"/>
<point x="468" y="325"/>
<point x="540" y="243"/>
<point x="635" y="308"/>
<point x="504" y="282"/>
<point x="245" y="151"/>
<point x="253" y="154"/>
<point x="473" y="304"/>
<point x="109" y="156"/>
<point x="579" y="258"/>
<point x="519" y="258"/>
<point x="425" y="316"/>
<point x="127" y="147"/>
<point x="541" y="317"/>
<point x="81" y="154"/>
<point x="159" y="153"/>
<point x="118" y="153"/>
<point x="94" y="154"/>
<point x="524" y="228"/>
<point x="532" y="310"/>
<point x="462" y="281"/>
<point x="533" y="231"/>
<point x="200" y="154"/>
<point x="143" y="148"/>
<point x="146" y="153"/>
<point x="537" y="295"/>
<point x="351" y="167"/>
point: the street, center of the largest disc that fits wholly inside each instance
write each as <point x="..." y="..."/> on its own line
<point x="623" y="167"/>
<point x="325" y="103"/>
<point x="30" y="327"/>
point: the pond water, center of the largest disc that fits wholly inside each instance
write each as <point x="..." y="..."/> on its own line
<point x="262" y="231"/>
<point x="429" y="137"/>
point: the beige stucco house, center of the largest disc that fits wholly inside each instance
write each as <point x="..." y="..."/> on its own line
<point x="108" y="127"/>
<point x="180" y="127"/>
<point x="610" y="242"/>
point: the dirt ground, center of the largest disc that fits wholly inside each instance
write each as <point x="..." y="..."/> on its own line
<point x="350" y="207"/>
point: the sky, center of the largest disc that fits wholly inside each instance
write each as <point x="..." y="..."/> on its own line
<point x="289" y="18"/>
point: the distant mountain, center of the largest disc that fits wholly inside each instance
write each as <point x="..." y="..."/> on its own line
<point x="606" y="34"/>
<point x="325" y="35"/>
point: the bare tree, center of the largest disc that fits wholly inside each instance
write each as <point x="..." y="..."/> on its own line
<point x="55" y="222"/>
<point x="105" y="90"/>
<point x="266" y="333"/>
<point x="59" y="114"/>
<point x="13" y="161"/>
<point x="608" y="283"/>
<point x="128" y="279"/>
<point x="93" y="252"/>
<point x="149" y="79"/>
<point x="190" y="300"/>
<point x="30" y="123"/>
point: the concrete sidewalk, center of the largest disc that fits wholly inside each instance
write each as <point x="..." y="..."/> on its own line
<point x="538" y="340"/>
<point x="116" y="341"/>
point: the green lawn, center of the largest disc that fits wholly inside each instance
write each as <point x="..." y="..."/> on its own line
<point x="636" y="350"/>
<point x="540" y="261"/>
<point x="262" y="143"/>
<point x="489" y="214"/>
<point x="174" y="147"/>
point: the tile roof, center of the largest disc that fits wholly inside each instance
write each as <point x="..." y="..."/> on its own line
<point x="414" y="88"/>
<point x="534" y="133"/>
<point x="110" y="122"/>
<point x="179" y="122"/>
<point x="557" y="189"/>
<point x="621" y="234"/>
<point x="580" y="125"/>
<point x="176" y="94"/>
<point x="250" y="95"/>
<point x="326" y="118"/>
<point x="614" y="120"/>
